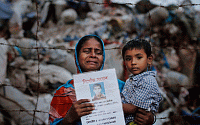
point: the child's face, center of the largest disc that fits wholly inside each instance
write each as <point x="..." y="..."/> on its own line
<point x="97" y="89"/>
<point x="136" y="61"/>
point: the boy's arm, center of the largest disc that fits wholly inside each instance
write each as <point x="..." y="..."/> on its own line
<point x="129" y="108"/>
<point x="142" y="117"/>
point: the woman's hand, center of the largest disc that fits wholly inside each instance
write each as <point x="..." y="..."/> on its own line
<point x="78" y="109"/>
<point x="143" y="117"/>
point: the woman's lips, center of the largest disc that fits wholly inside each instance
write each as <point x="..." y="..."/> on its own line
<point x="92" y="62"/>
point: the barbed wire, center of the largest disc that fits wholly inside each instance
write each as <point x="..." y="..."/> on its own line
<point x="132" y="4"/>
<point x="50" y="90"/>
<point x="113" y="48"/>
<point x="22" y="109"/>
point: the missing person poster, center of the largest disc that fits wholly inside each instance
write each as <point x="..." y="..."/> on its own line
<point x="101" y="87"/>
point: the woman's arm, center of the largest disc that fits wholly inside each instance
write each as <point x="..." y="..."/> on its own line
<point x="129" y="108"/>
<point x="144" y="117"/>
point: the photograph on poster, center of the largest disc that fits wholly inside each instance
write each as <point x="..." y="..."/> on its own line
<point x="97" y="91"/>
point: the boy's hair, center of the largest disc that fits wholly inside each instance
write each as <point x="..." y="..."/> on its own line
<point x="95" y="85"/>
<point x="137" y="44"/>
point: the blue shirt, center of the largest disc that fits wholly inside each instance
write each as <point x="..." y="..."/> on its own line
<point x="142" y="91"/>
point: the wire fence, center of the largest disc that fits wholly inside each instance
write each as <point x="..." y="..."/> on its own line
<point x="38" y="48"/>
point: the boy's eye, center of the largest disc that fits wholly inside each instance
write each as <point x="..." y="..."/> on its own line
<point x="127" y="59"/>
<point x="139" y="57"/>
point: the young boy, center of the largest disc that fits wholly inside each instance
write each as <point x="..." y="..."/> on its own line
<point x="141" y="89"/>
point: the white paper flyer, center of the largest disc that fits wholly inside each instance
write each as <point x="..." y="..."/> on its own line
<point x="101" y="87"/>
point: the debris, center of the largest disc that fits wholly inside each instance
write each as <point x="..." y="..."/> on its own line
<point x="37" y="57"/>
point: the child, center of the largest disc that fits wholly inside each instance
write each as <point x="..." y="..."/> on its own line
<point x="141" y="89"/>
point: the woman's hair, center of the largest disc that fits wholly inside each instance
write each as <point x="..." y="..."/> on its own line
<point x="86" y="38"/>
<point x="137" y="44"/>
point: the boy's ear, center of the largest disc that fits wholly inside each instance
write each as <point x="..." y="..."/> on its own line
<point x="150" y="59"/>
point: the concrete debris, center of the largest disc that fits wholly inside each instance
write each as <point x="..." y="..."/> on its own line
<point x="69" y="16"/>
<point x="37" y="53"/>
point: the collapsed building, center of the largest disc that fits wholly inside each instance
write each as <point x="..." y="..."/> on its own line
<point x="36" y="52"/>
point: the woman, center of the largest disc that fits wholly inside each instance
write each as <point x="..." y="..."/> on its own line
<point x="65" y="109"/>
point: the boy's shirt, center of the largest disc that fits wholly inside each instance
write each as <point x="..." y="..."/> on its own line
<point x="142" y="91"/>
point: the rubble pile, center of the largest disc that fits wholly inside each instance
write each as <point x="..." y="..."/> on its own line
<point x="37" y="53"/>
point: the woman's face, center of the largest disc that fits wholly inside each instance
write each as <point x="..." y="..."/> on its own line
<point x="90" y="56"/>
